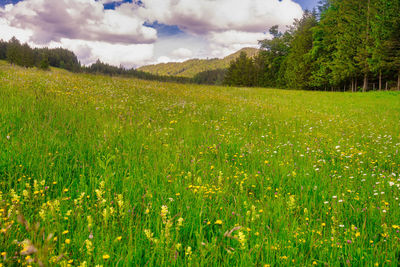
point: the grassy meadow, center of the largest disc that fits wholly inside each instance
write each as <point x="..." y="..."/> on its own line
<point x="108" y="171"/>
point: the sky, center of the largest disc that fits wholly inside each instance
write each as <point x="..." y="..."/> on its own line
<point x="133" y="33"/>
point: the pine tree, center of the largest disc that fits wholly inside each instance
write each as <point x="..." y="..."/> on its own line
<point x="299" y="61"/>
<point x="13" y="51"/>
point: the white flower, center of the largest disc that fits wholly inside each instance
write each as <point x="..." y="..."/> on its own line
<point x="334" y="197"/>
<point x="391" y="183"/>
<point x="8" y="137"/>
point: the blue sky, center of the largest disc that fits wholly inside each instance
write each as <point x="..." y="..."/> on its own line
<point x="308" y="4"/>
<point x="140" y="32"/>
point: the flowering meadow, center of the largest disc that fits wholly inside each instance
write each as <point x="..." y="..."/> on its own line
<point x="108" y="171"/>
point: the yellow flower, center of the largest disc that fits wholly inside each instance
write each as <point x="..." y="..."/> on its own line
<point x="119" y="238"/>
<point x="65" y="232"/>
<point x="219" y="222"/>
<point x="106" y="256"/>
<point x="67" y="241"/>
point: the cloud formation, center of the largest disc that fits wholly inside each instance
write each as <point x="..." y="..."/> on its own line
<point x="124" y="35"/>
<point x="77" y="19"/>
<point x="204" y="16"/>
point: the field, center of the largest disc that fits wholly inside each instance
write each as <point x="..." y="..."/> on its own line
<point x="121" y="172"/>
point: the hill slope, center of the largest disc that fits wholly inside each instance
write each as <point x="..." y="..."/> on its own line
<point x="191" y="67"/>
<point x="114" y="171"/>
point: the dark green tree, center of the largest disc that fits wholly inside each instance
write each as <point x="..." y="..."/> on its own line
<point x="241" y="71"/>
<point x="14" y="51"/>
<point x="299" y="60"/>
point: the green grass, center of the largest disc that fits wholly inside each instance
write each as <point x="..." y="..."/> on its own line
<point x="258" y="176"/>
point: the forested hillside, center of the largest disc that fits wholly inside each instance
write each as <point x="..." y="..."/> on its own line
<point x="192" y="67"/>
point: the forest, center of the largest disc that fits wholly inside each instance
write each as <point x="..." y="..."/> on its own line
<point x="345" y="45"/>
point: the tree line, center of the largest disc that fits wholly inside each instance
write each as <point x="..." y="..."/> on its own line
<point x="344" y="45"/>
<point x="23" y="55"/>
<point x="347" y="45"/>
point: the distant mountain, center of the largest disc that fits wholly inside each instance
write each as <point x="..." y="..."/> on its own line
<point x="192" y="67"/>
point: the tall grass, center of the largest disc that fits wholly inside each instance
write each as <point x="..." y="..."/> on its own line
<point x="112" y="171"/>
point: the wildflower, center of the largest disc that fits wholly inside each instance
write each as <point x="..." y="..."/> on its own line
<point x="106" y="256"/>
<point x="291" y="203"/>
<point x="180" y="222"/>
<point x="218" y="222"/>
<point x="242" y="239"/>
<point x="188" y="252"/>
<point x="67" y="241"/>
<point x="120" y="201"/>
<point x="164" y="213"/>
<point x="89" y="246"/>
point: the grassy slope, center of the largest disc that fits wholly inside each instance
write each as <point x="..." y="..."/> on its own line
<point x="220" y="158"/>
<point x="191" y="67"/>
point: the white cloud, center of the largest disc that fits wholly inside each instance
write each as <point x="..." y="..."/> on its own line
<point x="115" y="54"/>
<point x="7" y="32"/>
<point x="203" y="16"/>
<point x="225" y="43"/>
<point x="77" y="19"/>
<point x="182" y="53"/>
<point x="213" y="28"/>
